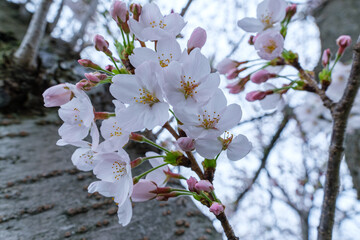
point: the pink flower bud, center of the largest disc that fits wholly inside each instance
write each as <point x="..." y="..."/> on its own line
<point x="186" y="144"/>
<point x="142" y="191"/>
<point x="88" y="63"/>
<point x="101" y="115"/>
<point x="326" y="57"/>
<point x="255" y="95"/>
<point x="57" y="95"/>
<point x="102" y="45"/>
<point x="191" y="184"/>
<point x="109" y="68"/>
<point x="95" y="77"/>
<point x="343" y="42"/>
<point x="118" y="11"/>
<point x="235" y="87"/>
<point x="216" y="208"/>
<point x="197" y="39"/>
<point x="227" y="65"/>
<point x="261" y="76"/>
<point x="136" y="137"/>
<point x="136" y="10"/>
<point x="204" y="185"/>
<point x="85" y="85"/>
<point x="290" y="11"/>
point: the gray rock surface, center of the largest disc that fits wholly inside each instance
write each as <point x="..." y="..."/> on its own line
<point x="42" y="196"/>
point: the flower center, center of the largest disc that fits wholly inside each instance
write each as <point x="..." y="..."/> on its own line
<point x="267" y="20"/>
<point x="188" y="86"/>
<point x="271" y="46"/>
<point x="116" y="131"/>
<point x="145" y="97"/>
<point x="208" y="121"/>
<point x="164" y="62"/>
<point x="88" y="157"/>
<point x="119" y="169"/>
<point x="161" y="25"/>
<point x="227" y="140"/>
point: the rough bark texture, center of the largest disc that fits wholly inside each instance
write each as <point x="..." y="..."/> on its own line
<point x="43" y="197"/>
<point x="334" y="18"/>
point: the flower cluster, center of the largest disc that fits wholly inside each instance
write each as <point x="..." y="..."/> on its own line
<point x="150" y="87"/>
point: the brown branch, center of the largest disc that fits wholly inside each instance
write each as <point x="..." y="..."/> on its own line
<point x="227" y="227"/>
<point x="340" y="113"/>
<point x="184" y="10"/>
<point x="267" y="150"/>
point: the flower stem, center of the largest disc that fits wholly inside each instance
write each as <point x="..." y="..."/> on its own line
<point x="148" y="141"/>
<point x="137" y="178"/>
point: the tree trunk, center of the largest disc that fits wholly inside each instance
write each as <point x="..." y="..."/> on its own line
<point x="28" y="51"/>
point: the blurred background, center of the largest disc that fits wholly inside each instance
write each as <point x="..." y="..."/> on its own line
<point x="273" y="193"/>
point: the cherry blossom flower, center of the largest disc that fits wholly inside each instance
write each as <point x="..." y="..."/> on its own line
<point x="210" y="120"/>
<point x="143" y="93"/>
<point x="152" y="25"/>
<point x="204" y="185"/>
<point x="143" y="191"/>
<point x="115" y="172"/>
<point x="227" y="66"/>
<point x="78" y="117"/>
<point x="261" y="76"/>
<point x="168" y="50"/>
<point x="190" y="83"/>
<point x="237" y="147"/>
<point x="269" y="12"/>
<point x="269" y="44"/>
<point x="191" y="184"/>
<point x="186" y="144"/>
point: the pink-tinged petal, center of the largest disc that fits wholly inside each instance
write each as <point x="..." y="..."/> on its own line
<point x="208" y="147"/>
<point x="269" y="44"/>
<point x="197" y="39"/>
<point x="57" y="95"/>
<point x="191" y="183"/>
<point x="174" y="23"/>
<point x="226" y="65"/>
<point x="125" y="212"/>
<point x="95" y="136"/>
<point x="278" y="9"/>
<point x="204" y="185"/>
<point x="141" y="191"/>
<point x="83" y="159"/>
<point x="238" y="148"/>
<point x="230" y="118"/>
<point x="73" y="132"/>
<point x="141" y="55"/>
<point x="216" y="208"/>
<point x="124" y="191"/>
<point x="250" y="24"/>
<point x="110" y="189"/>
<point x="78" y="143"/>
<point x="186" y="144"/>
<point x="124" y="88"/>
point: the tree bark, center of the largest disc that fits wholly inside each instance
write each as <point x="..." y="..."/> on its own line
<point x="28" y="50"/>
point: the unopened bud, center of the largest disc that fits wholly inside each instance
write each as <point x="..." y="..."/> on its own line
<point x="204" y="185"/>
<point x="88" y="63"/>
<point x="102" y="115"/>
<point x="136" y="10"/>
<point x="102" y="45"/>
<point x="216" y="208"/>
<point x="191" y="184"/>
<point x="136" y="162"/>
<point x="95" y="77"/>
<point x="326" y="57"/>
<point x="186" y="144"/>
<point x="57" y="95"/>
<point x="136" y="137"/>
<point x="255" y="95"/>
<point x="85" y="85"/>
<point x="290" y="11"/>
<point x="343" y="42"/>
<point x="118" y="11"/>
<point x="235" y="88"/>
<point x="251" y="40"/>
<point x="261" y="76"/>
<point x="197" y="39"/>
<point x="109" y="68"/>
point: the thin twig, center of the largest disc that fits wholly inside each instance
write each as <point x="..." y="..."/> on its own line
<point x="340" y="113"/>
<point x="184" y="10"/>
<point x="267" y="151"/>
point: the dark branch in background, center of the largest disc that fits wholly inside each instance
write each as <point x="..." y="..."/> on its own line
<point x="257" y="118"/>
<point x="236" y="46"/>
<point x="184" y="10"/>
<point x="267" y="150"/>
<point x="57" y="17"/>
<point x="28" y="51"/>
<point x="340" y="113"/>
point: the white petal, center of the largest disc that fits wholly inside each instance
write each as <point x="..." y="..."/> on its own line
<point x="174" y="23"/>
<point x="73" y="133"/>
<point x="124" y="88"/>
<point x="141" y="55"/>
<point x="230" y="118"/>
<point x="250" y="25"/>
<point x="239" y="148"/>
<point x="125" y="213"/>
<point x="208" y="147"/>
<point x="83" y="159"/>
